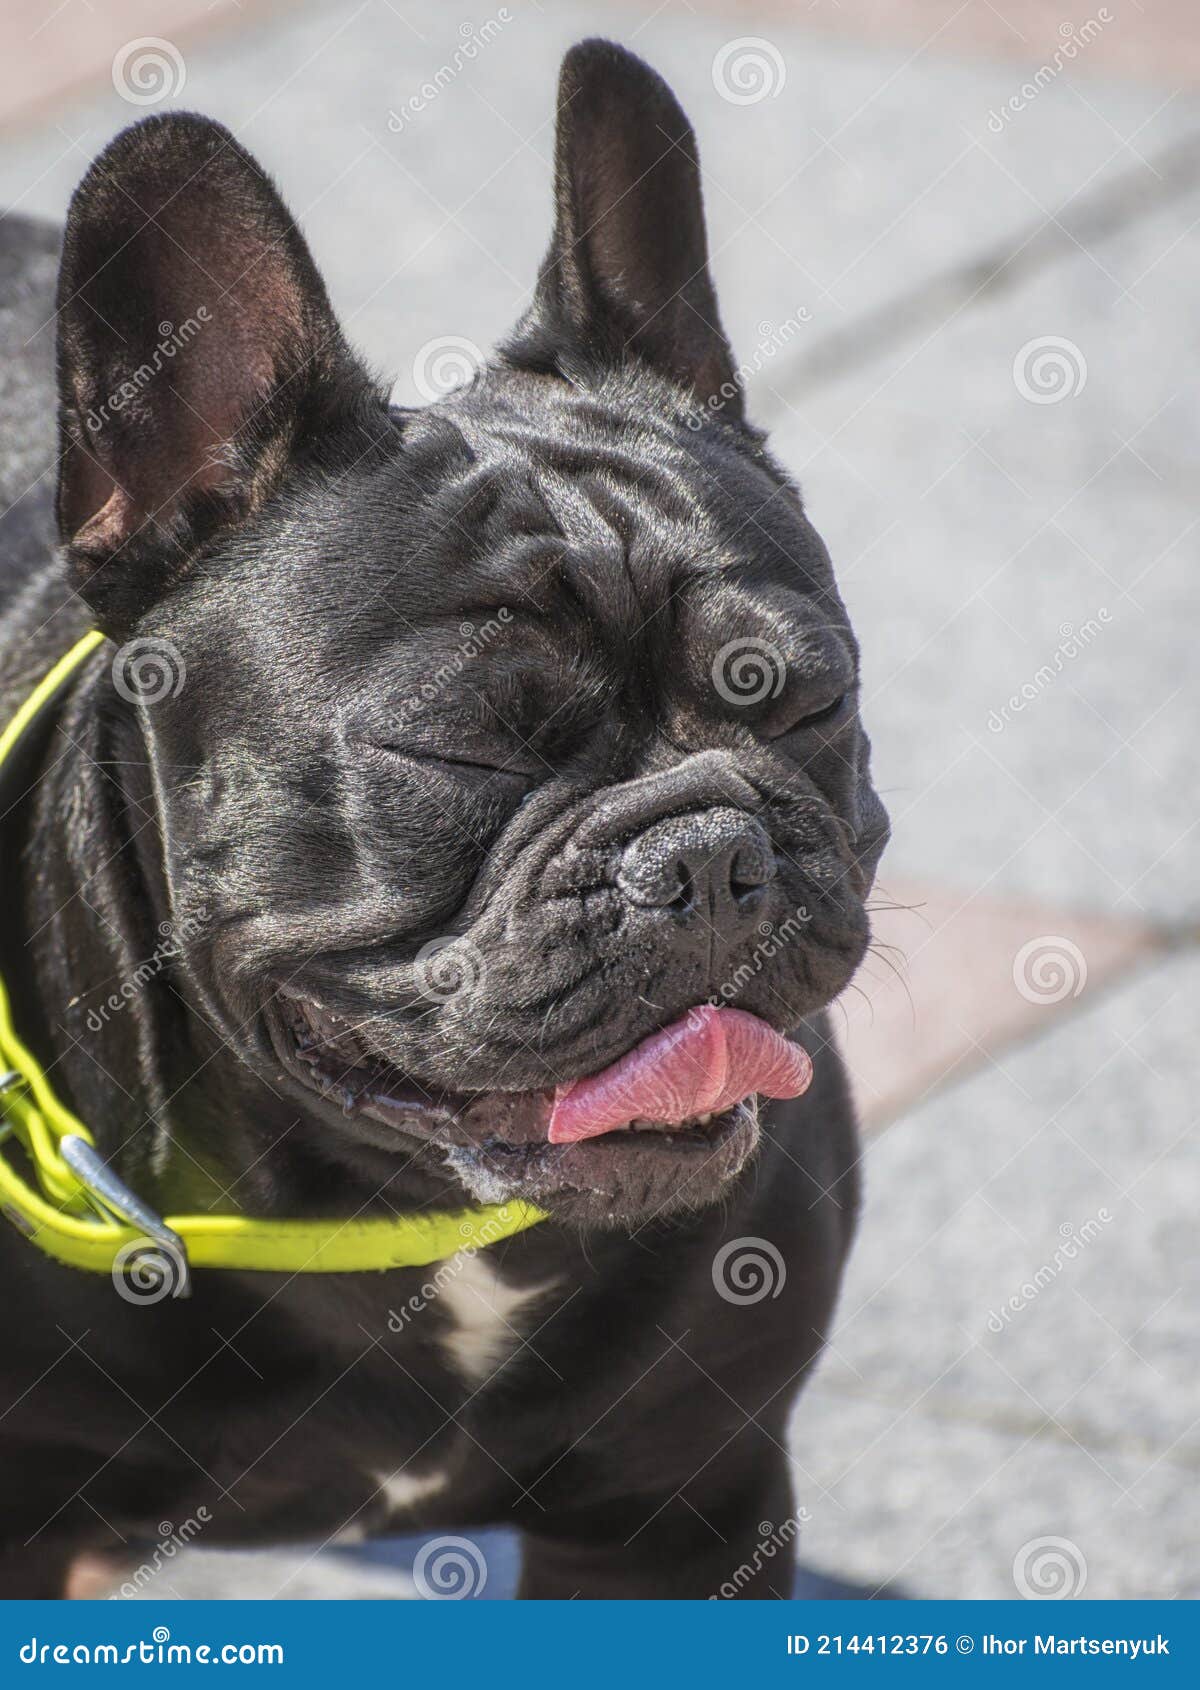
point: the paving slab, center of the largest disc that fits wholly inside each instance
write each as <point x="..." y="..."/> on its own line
<point x="1017" y="1332"/>
<point x="53" y="50"/>
<point x="303" y="1574"/>
<point x="853" y="169"/>
<point x="955" y="976"/>
<point x="1158" y="40"/>
<point x="1020" y="575"/>
<point x="924" y="1507"/>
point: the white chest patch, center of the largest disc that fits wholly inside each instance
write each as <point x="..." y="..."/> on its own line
<point x="402" y="1490"/>
<point x="490" y="1316"/>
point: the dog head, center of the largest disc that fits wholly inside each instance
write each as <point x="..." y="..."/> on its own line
<point x="515" y="800"/>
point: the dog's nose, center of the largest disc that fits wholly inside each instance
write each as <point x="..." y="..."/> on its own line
<point x="714" y="863"/>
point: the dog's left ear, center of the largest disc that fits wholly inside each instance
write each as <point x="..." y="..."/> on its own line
<point x="627" y="270"/>
<point x="197" y="352"/>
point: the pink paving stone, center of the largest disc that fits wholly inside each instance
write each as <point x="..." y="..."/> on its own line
<point x="972" y="975"/>
<point x="52" y="51"/>
<point x="1155" y="39"/>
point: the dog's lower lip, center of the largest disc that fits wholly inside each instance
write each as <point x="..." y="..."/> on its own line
<point x="506" y="1123"/>
<point x="667" y="1139"/>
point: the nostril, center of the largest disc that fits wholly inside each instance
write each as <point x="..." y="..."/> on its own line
<point x="685" y="893"/>
<point x="751" y="867"/>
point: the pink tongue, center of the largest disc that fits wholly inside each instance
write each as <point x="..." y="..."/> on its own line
<point x="702" y="1064"/>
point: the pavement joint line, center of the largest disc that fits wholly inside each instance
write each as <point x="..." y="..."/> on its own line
<point x="1052" y="1421"/>
<point x="915" y="1402"/>
<point x="1052" y="217"/>
<point x="972" y="1412"/>
<point x="950" y="1518"/>
<point x="1113" y="208"/>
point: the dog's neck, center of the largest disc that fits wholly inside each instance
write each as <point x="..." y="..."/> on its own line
<point x="100" y="998"/>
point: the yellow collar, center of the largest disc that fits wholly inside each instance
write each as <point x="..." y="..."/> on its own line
<point x="85" y="1216"/>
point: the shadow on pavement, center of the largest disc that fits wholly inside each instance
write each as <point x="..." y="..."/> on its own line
<point x="499" y="1551"/>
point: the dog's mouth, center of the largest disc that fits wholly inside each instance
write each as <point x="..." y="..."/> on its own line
<point x="680" y="1108"/>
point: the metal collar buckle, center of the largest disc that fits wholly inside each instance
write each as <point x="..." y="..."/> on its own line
<point x="161" y="1255"/>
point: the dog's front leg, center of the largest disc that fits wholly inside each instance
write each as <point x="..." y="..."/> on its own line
<point x="736" y="1545"/>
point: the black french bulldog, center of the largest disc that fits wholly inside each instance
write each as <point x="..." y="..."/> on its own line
<point x="613" y="823"/>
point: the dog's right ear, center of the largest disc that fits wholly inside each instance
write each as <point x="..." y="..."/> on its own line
<point x="196" y="350"/>
<point x="626" y="277"/>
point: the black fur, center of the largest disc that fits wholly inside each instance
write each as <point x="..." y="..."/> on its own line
<point x="335" y="785"/>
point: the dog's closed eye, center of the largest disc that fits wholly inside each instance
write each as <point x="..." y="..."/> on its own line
<point x="819" y="717"/>
<point x="511" y="765"/>
<point x="808" y="713"/>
